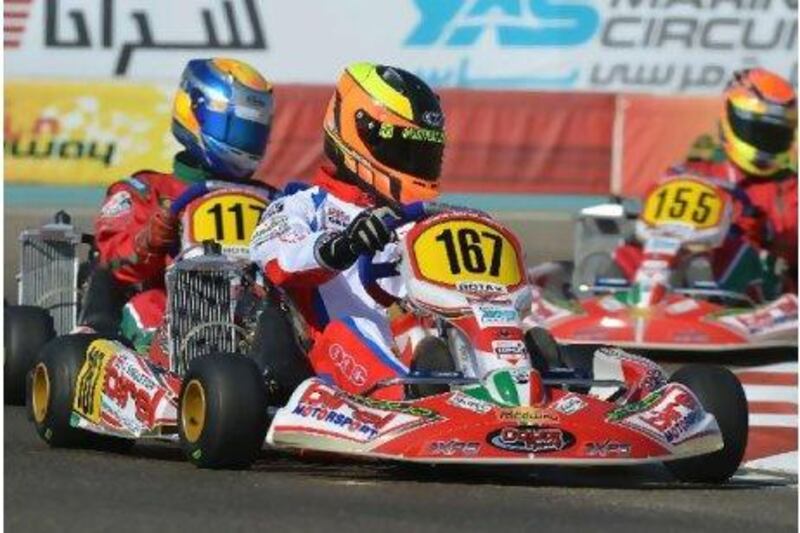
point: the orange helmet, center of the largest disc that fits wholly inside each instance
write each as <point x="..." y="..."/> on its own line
<point x="759" y="121"/>
<point x="384" y="127"/>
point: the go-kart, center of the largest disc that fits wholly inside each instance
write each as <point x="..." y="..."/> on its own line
<point x="672" y="304"/>
<point x="481" y="390"/>
<point x="54" y="262"/>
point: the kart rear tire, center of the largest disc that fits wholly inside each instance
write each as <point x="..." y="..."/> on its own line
<point x="27" y="329"/>
<point x="722" y="395"/>
<point x="56" y="368"/>
<point x="543" y="348"/>
<point x="277" y="353"/>
<point x="431" y="355"/>
<point x="222" y="412"/>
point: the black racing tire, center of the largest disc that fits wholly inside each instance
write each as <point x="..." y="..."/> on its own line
<point x="430" y="355"/>
<point x="51" y="392"/>
<point x="543" y="348"/>
<point x="27" y="329"/>
<point x="722" y="395"/>
<point x="277" y="353"/>
<point x="222" y="412"/>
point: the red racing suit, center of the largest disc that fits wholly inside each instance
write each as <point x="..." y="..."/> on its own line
<point x="759" y="256"/>
<point x="355" y="344"/>
<point x="128" y="206"/>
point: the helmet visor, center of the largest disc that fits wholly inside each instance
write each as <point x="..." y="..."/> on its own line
<point x="764" y="134"/>
<point x="235" y="131"/>
<point x="407" y="149"/>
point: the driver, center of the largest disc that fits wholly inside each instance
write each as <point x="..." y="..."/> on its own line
<point x="757" y="131"/>
<point x="384" y="140"/>
<point x="222" y="116"/>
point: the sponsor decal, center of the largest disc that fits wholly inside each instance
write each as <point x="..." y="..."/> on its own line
<point x="481" y="288"/>
<point x="335" y="418"/>
<point x="681" y="307"/>
<point x="496" y="316"/>
<point x="608" y="448"/>
<point x="611" y="304"/>
<point x="465" y="401"/>
<point x="346" y="363"/>
<point x="510" y="350"/>
<point x="528" y="415"/>
<point x="406" y="408"/>
<point x="117" y="205"/>
<point x="275" y="208"/>
<point x="454" y="447"/>
<point x="126" y="380"/>
<point x="627" y="410"/>
<point x="336" y="217"/>
<point x="531" y="439"/>
<point x="138" y="185"/>
<point x="671" y="414"/>
<point x="569" y="404"/>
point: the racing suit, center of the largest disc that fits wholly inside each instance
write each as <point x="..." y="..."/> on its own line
<point x="128" y="206"/>
<point x="759" y="255"/>
<point x="349" y="324"/>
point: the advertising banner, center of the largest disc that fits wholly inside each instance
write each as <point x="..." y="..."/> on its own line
<point x="78" y="134"/>
<point x="650" y="46"/>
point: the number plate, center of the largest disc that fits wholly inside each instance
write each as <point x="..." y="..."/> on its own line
<point x="457" y="250"/>
<point x="684" y="201"/>
<point x="225" y="217"/>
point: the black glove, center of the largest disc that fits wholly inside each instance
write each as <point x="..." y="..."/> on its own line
<point x="366" y="234"/>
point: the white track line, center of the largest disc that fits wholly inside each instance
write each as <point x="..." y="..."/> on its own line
<point x="768" y="420"/>
<point x="771" y="393"/>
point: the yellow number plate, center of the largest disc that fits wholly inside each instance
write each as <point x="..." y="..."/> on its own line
<point x="684" y="201"/>
<point x="456" y="251"/>
<point x="229" y="219"/>
<point x="92" y="375"/>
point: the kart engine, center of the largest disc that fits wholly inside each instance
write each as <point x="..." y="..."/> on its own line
<point x="203" y="292"/>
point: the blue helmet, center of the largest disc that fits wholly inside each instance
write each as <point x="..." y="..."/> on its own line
<point x="223" y="115"/>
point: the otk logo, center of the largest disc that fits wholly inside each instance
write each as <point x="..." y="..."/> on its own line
<point x="345" y="362"/>
<point x="513" y="23"/>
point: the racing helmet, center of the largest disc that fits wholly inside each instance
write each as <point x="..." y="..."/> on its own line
<point x="759" y="121"/>
<point x="384" y="129"/>
<point x="222" y="115"/>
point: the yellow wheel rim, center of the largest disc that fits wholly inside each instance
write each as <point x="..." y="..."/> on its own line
<point x="40" y="393"/>
<point x="193" y="411"/>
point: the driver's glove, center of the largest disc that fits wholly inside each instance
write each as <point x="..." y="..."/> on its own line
<point x="159" y="235"/>
<point x="367" y="233"/>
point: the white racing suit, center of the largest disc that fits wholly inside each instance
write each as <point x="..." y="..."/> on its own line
<point x="353" y="338"/>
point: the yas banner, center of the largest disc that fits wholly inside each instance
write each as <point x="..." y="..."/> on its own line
<point x="647" y="46"/>
<point x="80" y="134"/>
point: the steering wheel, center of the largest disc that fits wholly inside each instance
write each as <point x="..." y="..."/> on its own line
<point x="369" y="272"/>
<point x="186" y="197"/>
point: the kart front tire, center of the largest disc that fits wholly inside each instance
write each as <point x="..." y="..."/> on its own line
<point x="543" y="348"/>
<point x="430" y="355"/>
<point x="277" y="353"/>
<point x="721" y="394"/>
<point x="222" y="412"/>
<point x="51" y="393"/>
<point x="27" y="329"/>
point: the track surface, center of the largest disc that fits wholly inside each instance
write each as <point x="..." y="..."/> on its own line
<point x="153" y="489"/>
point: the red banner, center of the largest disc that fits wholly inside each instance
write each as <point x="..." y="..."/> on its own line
<point x="498" y="142"/>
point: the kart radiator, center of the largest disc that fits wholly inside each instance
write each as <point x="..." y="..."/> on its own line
<point x="202" y="293"/>
<point x="48" y="276"/>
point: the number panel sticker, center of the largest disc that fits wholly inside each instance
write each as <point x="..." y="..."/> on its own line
<point x="684" y="201"/>
<point x="227" y="218"/>
<point x="89" y="384"/>
<point x="455" y="251"/>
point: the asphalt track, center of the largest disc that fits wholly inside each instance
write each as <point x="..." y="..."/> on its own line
<point x="153" y="488"/>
